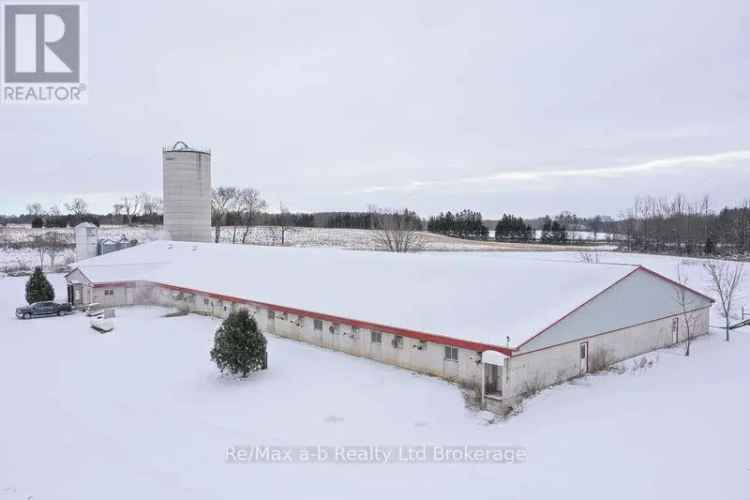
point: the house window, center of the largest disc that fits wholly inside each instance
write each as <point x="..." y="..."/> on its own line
<point x="355" y="331"/>
<point x="284" y="316"/>
<point x="205" y="302"/>
<point x="376" y="337"/>
<point x="271" y="314"/>
<point x="334" y="329"/>
<point x="451" y="353"/>
<point x="109" y="292"/>
<point x="318" y="324"/>
<point x="398" y="342"/>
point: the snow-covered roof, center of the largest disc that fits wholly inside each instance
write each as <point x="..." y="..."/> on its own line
<point x="478" y="297"/>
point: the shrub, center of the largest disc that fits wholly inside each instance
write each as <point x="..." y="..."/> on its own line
<point x="38" y="289"/>
<point x="239" y="347"/>
<point x="532" y="386"/>
<point x="600" y="360"/>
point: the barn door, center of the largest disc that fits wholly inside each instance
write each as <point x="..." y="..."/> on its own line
<point x="492" y="382"/>
<point x="584" y="357"/>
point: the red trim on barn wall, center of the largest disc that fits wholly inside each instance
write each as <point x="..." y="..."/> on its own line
<point x="115" y="284"/>
<point x="428" y="337"/>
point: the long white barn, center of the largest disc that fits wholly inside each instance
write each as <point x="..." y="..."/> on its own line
<point x="502" y="323"/>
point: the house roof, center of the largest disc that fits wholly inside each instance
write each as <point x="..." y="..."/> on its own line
<point x="478" y="297"/>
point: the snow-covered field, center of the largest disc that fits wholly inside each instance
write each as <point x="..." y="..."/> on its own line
<point x="12" y="258"/>
<point x="352" y="239"/>
<point x="142" y="413"/>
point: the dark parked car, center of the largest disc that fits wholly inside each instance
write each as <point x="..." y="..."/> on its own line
<point x="43" y="309"/>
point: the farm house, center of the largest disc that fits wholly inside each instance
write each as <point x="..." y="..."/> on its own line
<point x="504" y="323"/>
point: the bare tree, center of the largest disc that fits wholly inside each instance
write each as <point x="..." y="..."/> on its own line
<point x="278" y="232"/>
<point x="396" y="231"/>
<point x="50" y="244"/>
<point x="685" y="300"/>
<point x="150" y="205"/>
<point x="725" y="281"/>
<point x="77" y="207"/>
<point x="223" y="200"/>
<point x="589" y="257"/>
<point x="34" y="209"/>
<point x="117" y="209"/>
<point x="56" y="245"/>
<point x="54" y="210"/>
<point x="131" y="205"/>
<point x="250" y="204"/>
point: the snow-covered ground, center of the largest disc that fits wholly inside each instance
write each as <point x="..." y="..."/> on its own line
<point x="12" y="258"/>
<point x="142" y="413"/>
<point x="352" y="239"/>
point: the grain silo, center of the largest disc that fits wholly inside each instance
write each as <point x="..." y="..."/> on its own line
<point x="187" y="193"/>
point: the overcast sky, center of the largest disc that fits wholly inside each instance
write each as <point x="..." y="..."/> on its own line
<point x="523" y="107"/>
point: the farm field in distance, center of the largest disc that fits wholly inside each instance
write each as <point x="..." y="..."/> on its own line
<point x="14" y="258"/>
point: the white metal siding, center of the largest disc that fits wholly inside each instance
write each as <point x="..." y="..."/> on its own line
<point x="638" y="298"/>
<point x="550" y="365"/>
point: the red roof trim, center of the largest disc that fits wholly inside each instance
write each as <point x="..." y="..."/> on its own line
<point x="114" y="284"/>
<point x="428" y="337"/>
<point x="676" y="283"/>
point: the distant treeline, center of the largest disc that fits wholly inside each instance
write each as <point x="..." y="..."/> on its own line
<point x="466" y="224"/>
<point x="673" y="225"/>
<point x="681" y="226"/>
<point x="61" y="221"/>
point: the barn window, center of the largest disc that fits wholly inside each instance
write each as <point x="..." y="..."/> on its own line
<point x="398" y="342"/>
<point x="355" y="330"/>
<point x="451" y="353"/>
<point x="109" y="292"/>
<point x="376" y="337"/>
<point x="271" y="314"/>
<point x="205" y="302"/>
<point x="318" y="324"/>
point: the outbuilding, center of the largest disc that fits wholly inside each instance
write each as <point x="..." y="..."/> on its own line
<point x="506" y="324"/>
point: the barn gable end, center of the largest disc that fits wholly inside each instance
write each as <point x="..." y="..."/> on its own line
<point x="639" y="297"/>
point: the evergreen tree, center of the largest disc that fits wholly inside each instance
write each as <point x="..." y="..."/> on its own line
<point x="38" y="289"/>
<point x="510" y="227"/>
<point x="239" y="347"/>
<point x="708" y="248"/>
<point x="547" y="234"/>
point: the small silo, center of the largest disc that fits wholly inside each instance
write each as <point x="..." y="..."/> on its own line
<point x="87" y="236"/>
<point x="187" y="193"/>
